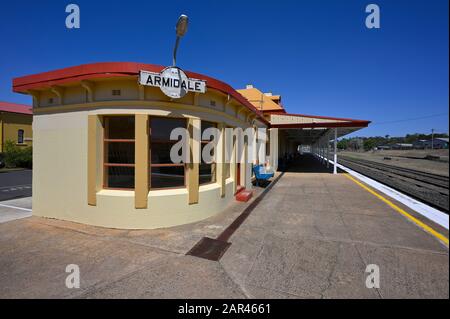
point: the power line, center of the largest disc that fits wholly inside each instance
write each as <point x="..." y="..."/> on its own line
<point x="410" y="119"/>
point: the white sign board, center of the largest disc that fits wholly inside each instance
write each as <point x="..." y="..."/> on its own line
<point x="172" y="81"/>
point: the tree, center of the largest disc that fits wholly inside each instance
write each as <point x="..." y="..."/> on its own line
<point x="342" y="144"/>
<point x="16" y="156"/>
<point x="369" y="144"/>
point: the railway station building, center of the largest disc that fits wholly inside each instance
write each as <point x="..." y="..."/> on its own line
<point x="101" y="149"/>
<point x="15" y="124"/>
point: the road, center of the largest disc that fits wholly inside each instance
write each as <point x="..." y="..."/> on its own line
<point x="15" y="184"/>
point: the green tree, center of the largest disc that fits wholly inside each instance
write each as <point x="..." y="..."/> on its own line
<point x="369" y="144"/>
<point x="342" y="144"/>
<point x="18" y="156"/>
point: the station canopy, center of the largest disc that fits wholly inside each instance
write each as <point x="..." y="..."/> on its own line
<point x="307" y="129"/>
<point x="300" y="128"/>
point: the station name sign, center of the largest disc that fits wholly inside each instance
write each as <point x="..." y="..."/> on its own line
<point x="172" y="81"/>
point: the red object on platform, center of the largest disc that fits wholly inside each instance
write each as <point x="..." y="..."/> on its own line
<point x="244" y="195"/>
<point x="239" y="189"/>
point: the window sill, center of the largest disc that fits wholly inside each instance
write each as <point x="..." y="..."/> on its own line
<point x="169" y="191"/>
<point x="208" y="186"/>
<point x="116" y="192"/>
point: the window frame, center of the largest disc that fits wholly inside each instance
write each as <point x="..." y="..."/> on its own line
<point x="107" y="140"/>
<point x="202" y="141"/>
<point x="162" y="141"/>
<point x="228" y="165"/>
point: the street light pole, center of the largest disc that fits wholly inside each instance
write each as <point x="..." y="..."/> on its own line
<point x="432" y="138"/>
<point x="181" y="29"/>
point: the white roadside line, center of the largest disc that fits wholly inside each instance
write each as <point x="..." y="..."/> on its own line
<point x="12" y="186"/>
<point x="429" y="212"/>
<point x="15" y="207"/>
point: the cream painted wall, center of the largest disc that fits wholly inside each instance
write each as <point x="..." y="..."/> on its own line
<point x="60" y="182"/>
<point x="128" y="90"/>
<point x="44" y="99"/>
<point x="74" y="95"/>
<point x="60" y="156"/>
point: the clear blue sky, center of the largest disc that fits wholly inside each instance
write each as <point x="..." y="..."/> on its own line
<point x="317" y="54"/>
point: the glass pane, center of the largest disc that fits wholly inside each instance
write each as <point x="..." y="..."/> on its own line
<point x="120" y="177"/>
<point x="207" y="173"/>
<point x="161" y="127"/>
<point x="164" y="177"/>
<point x="160" y="153"/>
<point x="120" y="127"/>
<point x="227" y="170"/>
<point x="211" y="153"/>
<point x="120" y="153"/>
<point x="205" y="125"/>
<point x="20" y="136"/>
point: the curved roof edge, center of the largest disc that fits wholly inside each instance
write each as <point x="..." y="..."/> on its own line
<point x="116" y="69"/>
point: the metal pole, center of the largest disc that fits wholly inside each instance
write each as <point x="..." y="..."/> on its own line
<point x="322" y="152"/>
<point x="335" y="152"/>
<point x="328" y="149"/>
<point x="174" y="61"/>
<point x="432" y="138"/>
<point x="319" y="149"/>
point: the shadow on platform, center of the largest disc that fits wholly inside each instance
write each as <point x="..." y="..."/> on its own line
<point x="308" y="163"/>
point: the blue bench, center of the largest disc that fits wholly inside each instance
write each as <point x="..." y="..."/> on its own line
<point x="261" y="174"/>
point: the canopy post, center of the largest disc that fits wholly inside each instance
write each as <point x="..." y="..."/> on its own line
<point x="335" y="152"/>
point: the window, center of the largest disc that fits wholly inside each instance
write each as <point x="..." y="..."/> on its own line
<point x="227" y="160"/>
<point x="116" y="92"/>
<point x="20" y="136"/>
<point x="207" y="172"/>
<point x="119" y="152"/>
<point x="163" y="172"/>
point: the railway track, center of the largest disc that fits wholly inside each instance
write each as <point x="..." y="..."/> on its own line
<point x="429" y="188"/>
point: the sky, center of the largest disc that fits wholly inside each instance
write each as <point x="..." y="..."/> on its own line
<point x="317" y="54"/>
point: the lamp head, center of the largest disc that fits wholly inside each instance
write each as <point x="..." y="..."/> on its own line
<point x="182" y="25"/>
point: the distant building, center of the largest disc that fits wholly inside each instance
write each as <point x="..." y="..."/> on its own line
<point x="438" y="143"/>
<point x="402" y="146"/>
<point x="420" y="144"/>
<point x="15" y="124"/>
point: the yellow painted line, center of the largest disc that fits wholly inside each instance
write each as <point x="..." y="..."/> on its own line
<point x="401" y="211"/>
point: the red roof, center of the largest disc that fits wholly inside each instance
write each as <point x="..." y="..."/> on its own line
<point x="115" y="69"/>
<point x="15" y="108"/>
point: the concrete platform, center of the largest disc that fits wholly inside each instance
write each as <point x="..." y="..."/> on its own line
<point x="311" y="236"/>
